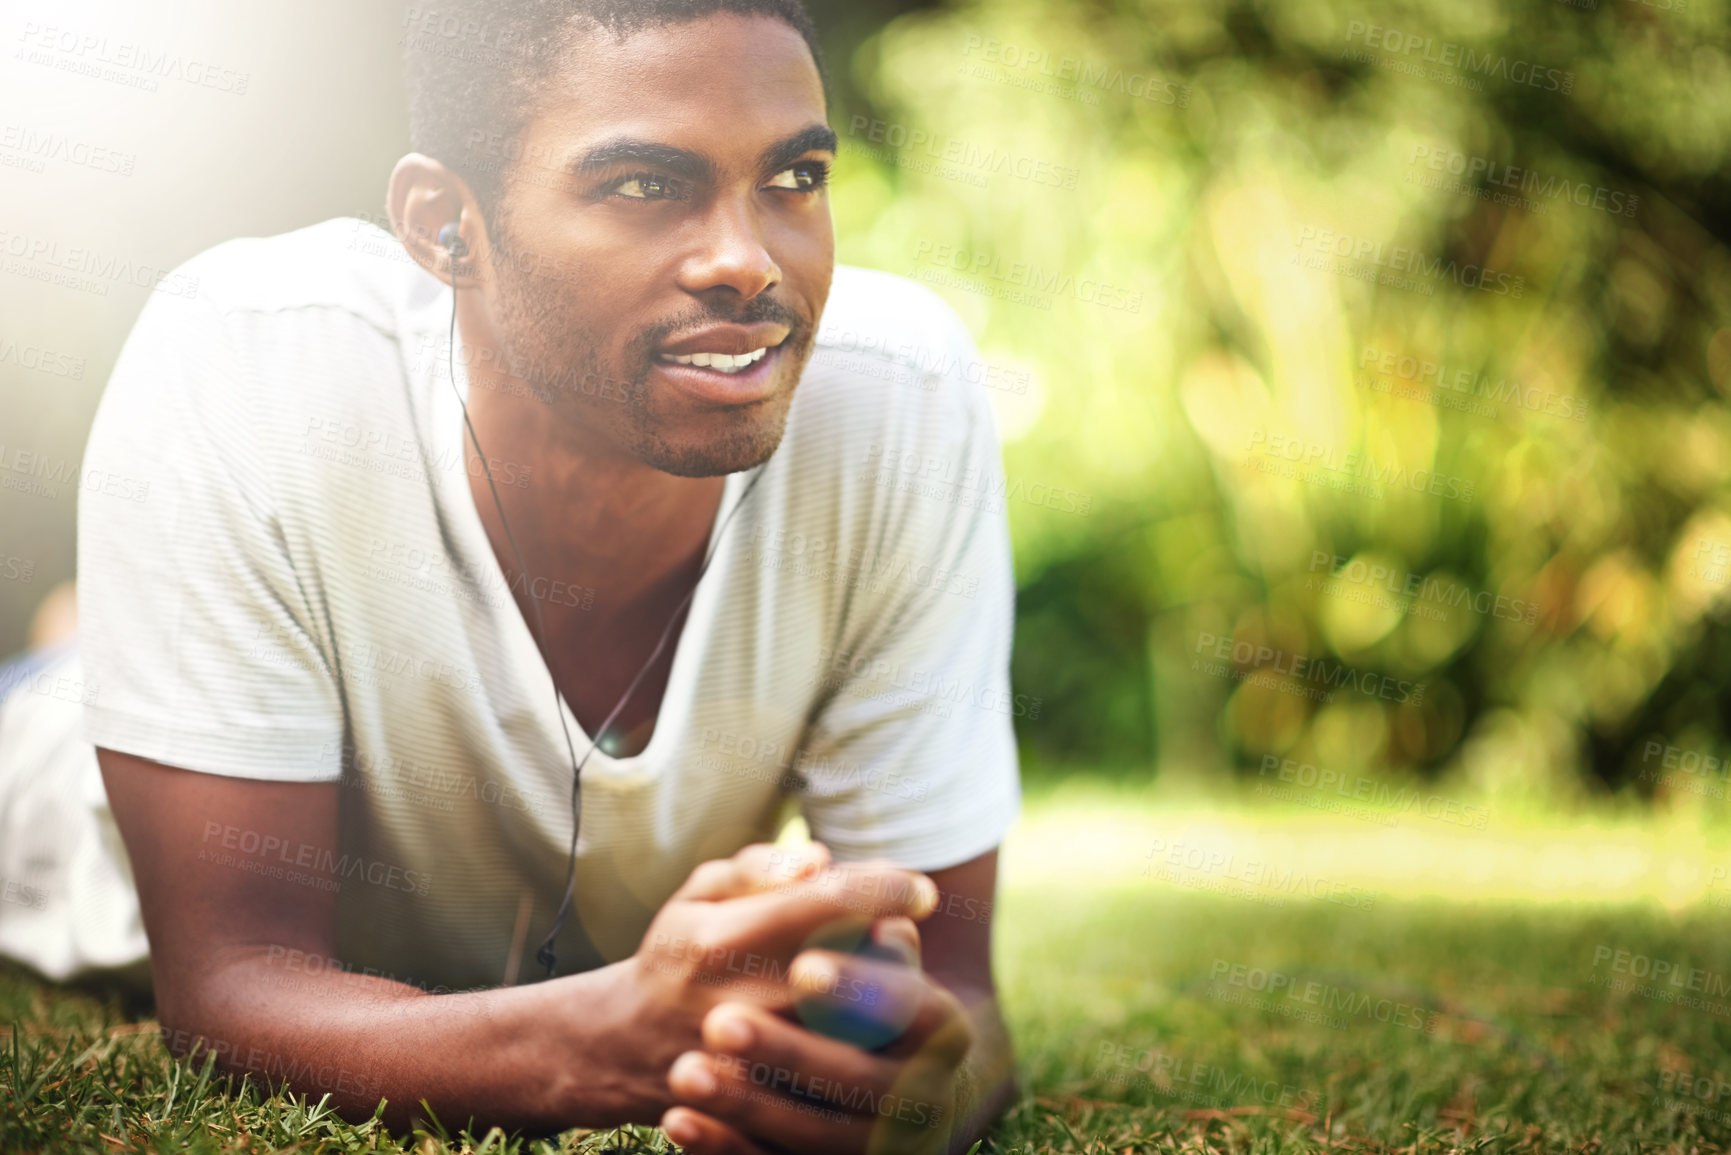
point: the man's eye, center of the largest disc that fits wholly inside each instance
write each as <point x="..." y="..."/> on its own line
<point x="647" y="186"/>
<point x="807" y="176"/>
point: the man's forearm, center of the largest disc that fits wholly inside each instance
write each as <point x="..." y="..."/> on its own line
<point x="986" y="1080"/>
<point x="541" y="1058"/>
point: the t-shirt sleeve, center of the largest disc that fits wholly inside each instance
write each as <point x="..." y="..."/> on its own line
<point x="198" y="638"/>
<point x="912" y="755"/>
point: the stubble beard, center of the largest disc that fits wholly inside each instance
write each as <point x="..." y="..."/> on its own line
<point x="537" y="332"/>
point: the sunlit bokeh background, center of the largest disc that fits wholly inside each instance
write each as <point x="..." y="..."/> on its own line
<point x="1592" y="450"/>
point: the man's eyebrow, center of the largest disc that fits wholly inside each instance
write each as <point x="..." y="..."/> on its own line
<point x="628" y="150"/>
<point x="817" y="138"/>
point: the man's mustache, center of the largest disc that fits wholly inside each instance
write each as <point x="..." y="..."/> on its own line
<point x="757" y="311"/>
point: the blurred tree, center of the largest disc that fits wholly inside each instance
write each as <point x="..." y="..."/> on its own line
<point x="1375" y="342"/>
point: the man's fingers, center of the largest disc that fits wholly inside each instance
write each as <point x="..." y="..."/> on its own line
<point x="879" y="1005"/>
<point x="768" y="1049"/>
<point x="782" y="922"/>
<point x="899" y="934"/>
<point x="701" y="1134"/>
<point x="940" y="1032"/>
<point x="740" y="1096"/>
<point x="757" y="869"/>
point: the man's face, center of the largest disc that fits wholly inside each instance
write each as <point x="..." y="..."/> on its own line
<point x="671" y="203"/>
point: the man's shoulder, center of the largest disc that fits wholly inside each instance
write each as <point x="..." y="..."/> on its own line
<point x="890" y="347"/>
<point x="889" y="317"/>
<point x="343" y="266"/>
<point x="281" y="331"/>
<point x="895" y="378"/>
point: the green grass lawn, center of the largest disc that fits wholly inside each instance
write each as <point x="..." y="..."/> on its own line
<point x="1222" y="1008"/>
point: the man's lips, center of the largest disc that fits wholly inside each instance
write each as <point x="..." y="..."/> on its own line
<point x="753" y="379"/>
<point x="723" y="349"/>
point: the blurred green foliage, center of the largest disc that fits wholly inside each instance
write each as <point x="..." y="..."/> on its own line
<point x="1159" y="218"/>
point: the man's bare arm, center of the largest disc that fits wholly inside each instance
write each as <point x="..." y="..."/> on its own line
<point x="956" y="950"/>
<point x="219" y="932"/>
<point x="585" y="1050"/>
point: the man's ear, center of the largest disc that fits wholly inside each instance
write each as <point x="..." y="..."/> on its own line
<point x="425" y="198"/>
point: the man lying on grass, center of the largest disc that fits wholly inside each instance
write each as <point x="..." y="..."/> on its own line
<point x="334" y="684"/>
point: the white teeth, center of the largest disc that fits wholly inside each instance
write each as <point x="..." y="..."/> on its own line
<point x="721" y="362"/>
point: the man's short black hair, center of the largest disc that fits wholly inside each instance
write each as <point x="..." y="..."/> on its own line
<point x="476" y="68"/>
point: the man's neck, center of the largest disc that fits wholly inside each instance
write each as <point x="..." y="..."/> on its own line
<point x="611" y="547"/>
<point x="588" y="508"/>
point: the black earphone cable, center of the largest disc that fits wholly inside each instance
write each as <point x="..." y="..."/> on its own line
<point x="545" y="954"/>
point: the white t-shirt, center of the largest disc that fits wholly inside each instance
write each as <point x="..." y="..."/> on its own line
<point x="288" y="580"/>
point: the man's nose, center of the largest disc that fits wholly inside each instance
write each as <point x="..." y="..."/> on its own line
<point x="732" y="254"/>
